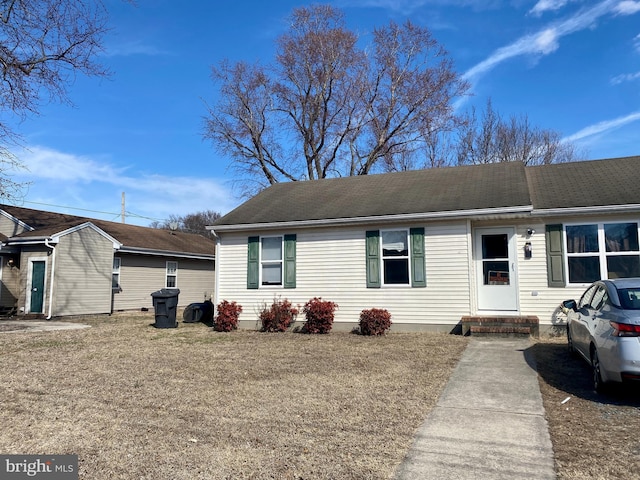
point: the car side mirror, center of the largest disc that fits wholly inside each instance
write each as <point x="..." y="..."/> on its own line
<point x="569" y="305"/>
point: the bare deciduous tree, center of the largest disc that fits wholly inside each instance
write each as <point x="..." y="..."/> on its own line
<point x="44" y="44"/>
<point x="492" y="139"/>
<point x="190" y="223"/>
<point x="327" y="107"/>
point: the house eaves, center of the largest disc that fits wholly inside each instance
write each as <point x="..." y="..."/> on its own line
<point x="165" y="253"/>
<point x="590" y="210"/>
<point x="17" y="221"/>
<point x="521" y="211"/>
<point x="56" y="237"/>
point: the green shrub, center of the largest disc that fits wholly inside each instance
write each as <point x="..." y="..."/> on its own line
<point x="375" y="321"/>
<point x="277" y="317"/>
<point x="227" y="314"/>
<point x="319" y="315"/>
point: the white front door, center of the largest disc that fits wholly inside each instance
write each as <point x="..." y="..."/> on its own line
<point x="496" y="269"/>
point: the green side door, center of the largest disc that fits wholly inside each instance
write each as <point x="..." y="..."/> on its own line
<point x="37" y="286"/>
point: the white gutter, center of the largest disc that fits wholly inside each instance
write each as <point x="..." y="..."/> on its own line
<point x="406" y="217"/>
<point x="53" y="270"/>
<point x="546" y="212"/>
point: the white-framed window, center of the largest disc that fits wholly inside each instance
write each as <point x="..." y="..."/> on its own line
<point x="395" y="257"/>
<point x="596" y="251"/>
<point x="271" y="250"/>
<point x="172" y="275"/>
<point x="115" y="273"/>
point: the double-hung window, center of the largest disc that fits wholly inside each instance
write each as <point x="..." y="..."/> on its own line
<point x="115" y="273"/>
<point x="395" y="257"/>
<point x="602" y="251"/>
<point x="271" y="261"/>
<point x="172" y="275"/>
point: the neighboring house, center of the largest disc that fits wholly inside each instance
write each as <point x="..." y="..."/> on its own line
<point x="56" y="264"/>
<point x="433" y="246"/>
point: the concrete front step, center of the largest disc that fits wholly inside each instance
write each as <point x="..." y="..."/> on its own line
<point x="500" y="325"/>
<point x="499" y="331"/>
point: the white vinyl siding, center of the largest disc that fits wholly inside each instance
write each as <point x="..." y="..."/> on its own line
<point x="141" y="275"/>
<point x="330" y="263"/>
<point x="83" y="273"/>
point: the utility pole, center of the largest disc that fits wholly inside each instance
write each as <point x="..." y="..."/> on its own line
<point x="122" y="214"/>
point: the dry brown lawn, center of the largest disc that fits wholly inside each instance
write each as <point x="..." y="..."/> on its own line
<point x="594" y="437"/>
<point x="137" y="402"/>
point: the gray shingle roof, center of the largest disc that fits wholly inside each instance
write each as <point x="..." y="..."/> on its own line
<point x="418" y="191"/>
<point x="452" y="189"/>
<point x="131" y="236"/>
<point x="592" y="183"/>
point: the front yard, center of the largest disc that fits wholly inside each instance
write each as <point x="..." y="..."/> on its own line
<point x="187" y="403"/>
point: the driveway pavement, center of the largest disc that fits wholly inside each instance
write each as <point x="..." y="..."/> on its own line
<point x="489" y="422"/>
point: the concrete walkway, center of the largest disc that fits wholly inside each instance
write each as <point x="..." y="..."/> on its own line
<point x="489" y="422"/>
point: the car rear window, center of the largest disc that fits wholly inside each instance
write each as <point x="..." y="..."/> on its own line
<point x="629" y="298"/>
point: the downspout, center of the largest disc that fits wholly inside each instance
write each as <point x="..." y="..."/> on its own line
<point x="53" y="269"/>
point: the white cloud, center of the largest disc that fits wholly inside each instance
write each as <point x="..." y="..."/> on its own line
<point x="602" y="127"/>
<point x="628" y="7"/>
<point x="547" y="5"/>
<point x="546" y="40"/>
<point x="66" y="180"/>
<point x="627" y="77"/>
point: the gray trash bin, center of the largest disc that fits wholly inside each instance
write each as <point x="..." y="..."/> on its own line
<point x="165" y="304"/>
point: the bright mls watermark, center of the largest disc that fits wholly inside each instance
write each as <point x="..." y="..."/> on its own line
<point x="48" y="467"/>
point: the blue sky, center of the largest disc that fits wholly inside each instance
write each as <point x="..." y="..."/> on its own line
<point x="569" y="65"/>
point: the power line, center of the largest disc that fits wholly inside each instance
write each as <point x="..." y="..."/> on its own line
<point x="115" y="215"/>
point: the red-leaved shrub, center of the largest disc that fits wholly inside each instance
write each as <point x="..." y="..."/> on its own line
<point x="319" y="315"/>
<point x="278" y="317"/>
<point x="227" y="316"/>
<point x="375" y="321"/>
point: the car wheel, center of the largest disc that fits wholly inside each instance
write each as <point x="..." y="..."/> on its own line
<point x="598" y="384"/>
<point x="570" y="347"/>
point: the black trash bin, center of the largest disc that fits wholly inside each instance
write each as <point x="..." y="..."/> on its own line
<point x="198" y="312"/>
<point x="165" y="304"/>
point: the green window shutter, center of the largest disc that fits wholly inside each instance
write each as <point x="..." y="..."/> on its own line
<point x="289" y="261"/>
<point x="373" y="259"/>
<point x="253" y="263"/>
<point x="555" y="256"/>
<point x="418" y="274"/>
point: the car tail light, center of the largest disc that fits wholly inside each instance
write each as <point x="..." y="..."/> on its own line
<point x="625" y="330"/>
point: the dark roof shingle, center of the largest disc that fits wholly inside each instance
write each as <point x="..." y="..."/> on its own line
<point x="131" y="236"/>
<point x="590" y="183"/>
<point x="593" y="183"/>
<point x="418" y="191"/>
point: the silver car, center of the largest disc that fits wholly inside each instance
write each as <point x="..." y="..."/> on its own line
<point x="604" y="328"/>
